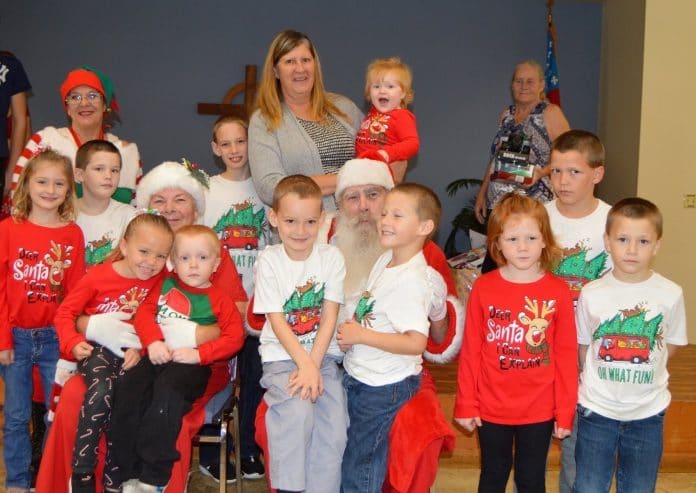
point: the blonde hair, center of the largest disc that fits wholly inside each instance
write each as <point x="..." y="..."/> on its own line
<point x="225" y="119"/>
<point x="540" y="72"/>
<point x="380" y="67"/>
<point x="428" y="206"/>
<point x="514" y="204"/>
<point x="303" y="186"/>
<point x="144" y="219"/>
<point x="22" y="200"/>
<point x="193" y="230"/>
<point x="268" y="97"/>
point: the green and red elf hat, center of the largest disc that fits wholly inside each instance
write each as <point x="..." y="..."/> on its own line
<point x="88" y="76"/>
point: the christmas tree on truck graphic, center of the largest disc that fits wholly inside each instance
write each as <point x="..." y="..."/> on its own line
<point x="628" y="336"/>
<point x="241" y="227"/>
<point x="576" y="270"/>
<point x="303" y="308"/>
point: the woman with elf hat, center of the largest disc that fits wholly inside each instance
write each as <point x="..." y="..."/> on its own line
<point x="88" y="99"/>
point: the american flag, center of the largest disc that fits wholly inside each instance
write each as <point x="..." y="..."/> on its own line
<point x="553" y="91"/>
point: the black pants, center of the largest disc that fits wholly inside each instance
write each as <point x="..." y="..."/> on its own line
<point x="101" y="372"/>
<point x="531" y="446"/>
<point x="151" y="402"/>
<point x="250" y="395"/>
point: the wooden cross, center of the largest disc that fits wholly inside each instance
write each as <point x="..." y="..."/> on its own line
<point x="248" y="87"/>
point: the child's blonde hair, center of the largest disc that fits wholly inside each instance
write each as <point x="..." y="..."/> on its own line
<point x="380" y="67"/>
<point x="22" y="200"/>
<point x="515" y="204"/>
<point x="584" y="142"/>
<point x="193" y="230"/>
<point x="635" y="208"/>
<point x="428" y="206"/>
<point x="302" y="185"/>
<point x="228" y="119"/>
<point x="152" y="219"/>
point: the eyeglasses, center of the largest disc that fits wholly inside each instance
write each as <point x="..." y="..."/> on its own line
<point x="76" y="98"/>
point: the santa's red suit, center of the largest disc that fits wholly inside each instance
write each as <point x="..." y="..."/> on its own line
<point x="420" y="431"/>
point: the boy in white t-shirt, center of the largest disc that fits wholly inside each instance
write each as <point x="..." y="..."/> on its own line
<point x="629" y="322"/>
<point x="299" y="287"/>
<point x="235" y="211"/>
<point x="577" y="219"/>
<point x="387" y="335"/>
<point x="102" y="219"/>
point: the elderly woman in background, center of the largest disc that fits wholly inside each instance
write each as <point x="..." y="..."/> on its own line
<point x="298" y="127"/>
<point x="177" y="191"/>
<point x="540" y="122"/>
<point x="88" y="98"/>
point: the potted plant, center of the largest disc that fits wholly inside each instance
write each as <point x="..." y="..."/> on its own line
<point x="465" y="220"/>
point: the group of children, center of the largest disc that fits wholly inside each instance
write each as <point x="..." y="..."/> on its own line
<point x="518" y="376"/>
<point x="328" y="423"/>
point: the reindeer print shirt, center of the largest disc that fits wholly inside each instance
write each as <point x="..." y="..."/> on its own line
<point x="101" y="290"/>
<point x="394" y="132"/>
<point x="39" y="266"/>
<point x="627" y="327"/>
<point x="518" y="363"/>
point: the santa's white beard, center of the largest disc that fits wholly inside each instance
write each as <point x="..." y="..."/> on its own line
<point x="359" y="243"/>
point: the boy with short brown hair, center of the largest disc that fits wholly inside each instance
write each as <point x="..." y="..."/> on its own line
<point x="101" y="218"/>
<point x="629" y="323"/>
<point x="577" y="219"/>
<point x="388" y="334"/>
<point x="299" y="287"/>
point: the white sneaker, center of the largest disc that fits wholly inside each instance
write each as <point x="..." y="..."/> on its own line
<point x="130" y="486"/>
<point x="149" y="488"/>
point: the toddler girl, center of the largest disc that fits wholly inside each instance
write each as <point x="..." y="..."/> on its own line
<point x="120" y="285"/>
<point x="41" y="259"/>
<point x="388" y="133"/>
<point x="517" y="380"/>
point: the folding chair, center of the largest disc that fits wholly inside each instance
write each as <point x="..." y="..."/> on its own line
<point x="220" y="411"/>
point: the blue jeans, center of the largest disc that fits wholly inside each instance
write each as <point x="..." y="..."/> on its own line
<point x="566" y="476"/>
<point x="371" y="411"/>
<point x="31" y="347"/>
<point x="638" y="445"/>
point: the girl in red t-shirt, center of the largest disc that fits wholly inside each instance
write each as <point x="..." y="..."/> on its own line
<point x="517" y="381"/>
<point x="41" y="259"/>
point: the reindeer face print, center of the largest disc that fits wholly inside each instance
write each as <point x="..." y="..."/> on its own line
<point x="130" y="301"/>
<point x="537" y="325"/>
<point x="57" y="264"/>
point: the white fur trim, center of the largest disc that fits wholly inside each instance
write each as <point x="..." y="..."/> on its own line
<point x="451" y="351"/>
<point x="250" y="330"/>
<point x="358" y="172"/>
<point x="170" y="174"/>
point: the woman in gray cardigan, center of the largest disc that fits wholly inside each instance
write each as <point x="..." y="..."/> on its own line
<point x="298" y="127"/>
